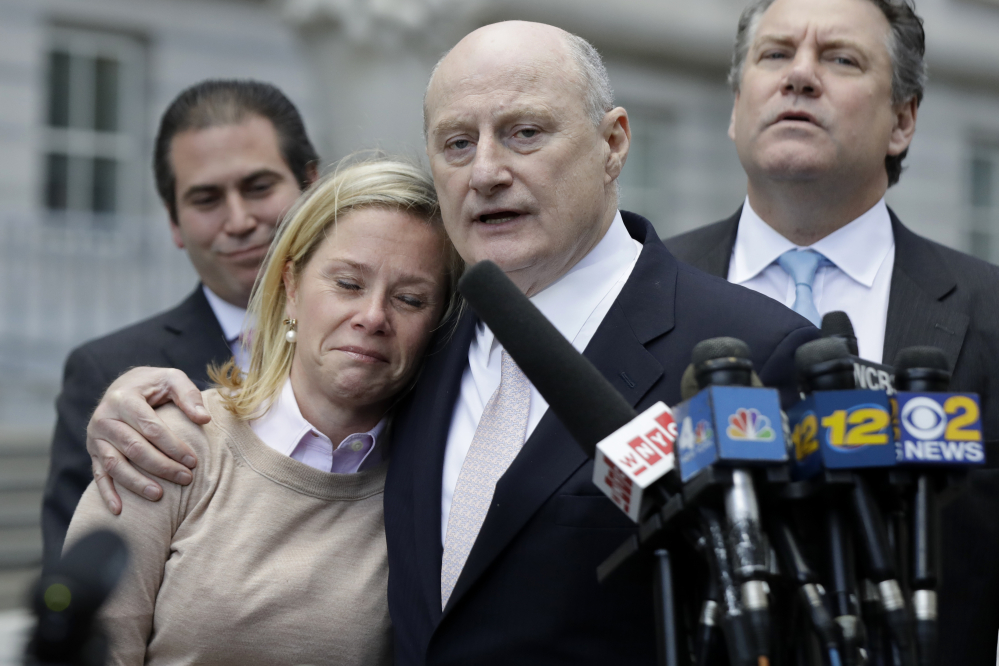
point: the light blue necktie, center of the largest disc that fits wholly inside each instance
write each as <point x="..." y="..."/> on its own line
<point x="802" y="265"/>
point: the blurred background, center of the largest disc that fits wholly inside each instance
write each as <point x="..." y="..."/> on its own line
<point x="84" y="242"/>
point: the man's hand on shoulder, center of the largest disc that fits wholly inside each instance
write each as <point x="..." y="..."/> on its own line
<point x="125" y="435"/>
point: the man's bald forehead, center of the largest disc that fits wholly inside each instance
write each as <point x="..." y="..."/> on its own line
<point x="523" y="50"/>
<point x="511" y="41"/>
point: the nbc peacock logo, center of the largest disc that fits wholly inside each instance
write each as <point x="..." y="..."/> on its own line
<point x="702" y="432"/>
<point x="750" y="425"/>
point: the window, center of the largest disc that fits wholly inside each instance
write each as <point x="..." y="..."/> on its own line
<point x="93" y="123"/>
<point x="647" y="181"/>
<point x="984" y="199"/>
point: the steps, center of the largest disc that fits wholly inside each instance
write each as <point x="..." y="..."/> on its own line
<point x="24" y="464"/>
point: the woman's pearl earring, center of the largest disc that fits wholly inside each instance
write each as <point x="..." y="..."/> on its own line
<point x="290" y="335"/>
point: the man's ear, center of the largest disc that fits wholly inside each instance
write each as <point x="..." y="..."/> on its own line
<point x="616" y="131"/>
<point x="175" y="234"/>
<point x="731" y="120"/>
<point x="290" y="290"/>
<point x="905" y="126"/>
<point x="311" y="173"/>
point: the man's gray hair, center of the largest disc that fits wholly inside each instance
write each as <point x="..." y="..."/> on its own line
<point x="595" y="82"/>
<point x="906" y="46"/>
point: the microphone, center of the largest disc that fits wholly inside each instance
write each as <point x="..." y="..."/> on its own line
<point x="810" y="592"/>
<point x="66" y="600"/>
<point x="840" y="576"/>
<point x="734" y="623"/>
<point x="868" y="374"/>
<point x="838" y="427"/>
<point x="837" y="324"/>
<point x="729" y="421"/>
<point x="631" y="452"/>
<point x="842" y="584"/>
<point x="705" y="643"/>
<point x="940" y="429"/>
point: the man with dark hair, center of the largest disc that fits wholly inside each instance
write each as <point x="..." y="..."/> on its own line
<point x="231" y="157"/>
<point x="826" y="98"/>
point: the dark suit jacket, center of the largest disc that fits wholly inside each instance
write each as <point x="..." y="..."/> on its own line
<point x="528" y="592"/>
<point x="188" y="338"/>
<point x="946" y="299"/>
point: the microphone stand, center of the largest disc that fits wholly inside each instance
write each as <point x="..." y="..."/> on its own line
<point x="665" y="609"/>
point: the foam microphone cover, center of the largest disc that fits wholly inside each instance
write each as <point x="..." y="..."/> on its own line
<point x="708" y="350"/>
<point x="70" y="593"/>
<point x="586" y="403"/>
<point x="922" y="369"/>
<point x="837" y="324"/>
<point x="819" y="351"/>
<point x="921" y="357"/>
<point x="689" y="387"/>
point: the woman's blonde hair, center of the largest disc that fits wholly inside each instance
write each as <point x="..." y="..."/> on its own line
<point x="373" y="183"/>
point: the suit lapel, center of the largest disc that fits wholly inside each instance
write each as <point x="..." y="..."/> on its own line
<point x="718" y="254"/>
<point x="918" y="312"/>
<point x="196" y="338"/>
<point x="442" y="374"/>
<point x="643" y="311"/>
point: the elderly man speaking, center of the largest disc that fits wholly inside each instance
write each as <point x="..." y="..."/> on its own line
<point x="494" y="528"/>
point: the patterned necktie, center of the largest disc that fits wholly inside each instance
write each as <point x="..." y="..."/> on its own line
<point x="497" y="441"/>
<point x="802" y="265"/>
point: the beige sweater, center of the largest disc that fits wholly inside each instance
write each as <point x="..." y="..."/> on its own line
<point x="261" y="560"/>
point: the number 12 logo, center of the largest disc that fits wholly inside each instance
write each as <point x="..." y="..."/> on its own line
<point x="860" y="426"/>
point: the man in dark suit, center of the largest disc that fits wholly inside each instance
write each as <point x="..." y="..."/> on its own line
<point x="525" y="152"/>
<point x="526" y="145"/>
<point x="826" y="99"/>
<point x="231" y="157"/>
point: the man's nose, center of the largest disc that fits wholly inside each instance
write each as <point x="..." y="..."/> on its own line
<point x="240" y="219"/>
<point x="802" y="77"/>
<point x="489" y="168"/>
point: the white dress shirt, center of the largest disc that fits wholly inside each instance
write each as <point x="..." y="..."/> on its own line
<point x="575" y="304"/>
<point x="232" y="319"/>
<point x="284" y="429"/>
<point x="858" y="284"/>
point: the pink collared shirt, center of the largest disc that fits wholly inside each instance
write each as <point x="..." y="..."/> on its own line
<point x="284" y="429"/>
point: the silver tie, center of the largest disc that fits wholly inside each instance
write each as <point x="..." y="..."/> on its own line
<point x="497" y="441"/>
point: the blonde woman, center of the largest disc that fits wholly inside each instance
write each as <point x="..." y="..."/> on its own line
<point x="275" y="554"/>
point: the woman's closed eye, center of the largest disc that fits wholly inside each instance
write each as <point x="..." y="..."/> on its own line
<point x="348" y="285"/>
<point x="411" y="300"/>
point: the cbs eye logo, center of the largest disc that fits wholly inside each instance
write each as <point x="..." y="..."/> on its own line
<point x="926" y="419"/>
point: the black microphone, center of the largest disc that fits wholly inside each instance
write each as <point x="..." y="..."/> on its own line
<point x="841" y="579"/>
<point x="726" y="362"/>
<point x="837" y="324"/>
<point x="735" y="625"/>
<point x="635" y="454"/>
<point x="706" y="644"/>
<point x="826" y="368"/>
<point x="66" y="600"/>
<point x="586" y="403"/>
<point x="938" y="431"/>
<point x="810" y="593"/>
<point x="632" y="453"/>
